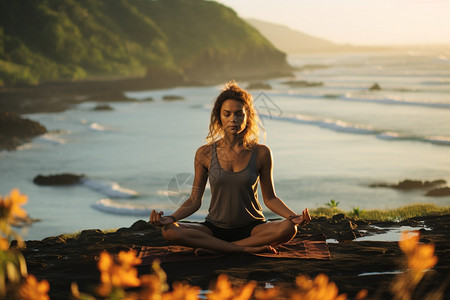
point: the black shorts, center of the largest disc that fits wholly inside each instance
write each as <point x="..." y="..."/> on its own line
<point x="232" y="234"/>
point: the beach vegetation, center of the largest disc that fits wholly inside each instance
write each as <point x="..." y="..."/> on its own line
<point x="332" y="204"/>
<point x="73" y="40"/>
<point x="395" y="214"/>
<point x="356" y="212"/>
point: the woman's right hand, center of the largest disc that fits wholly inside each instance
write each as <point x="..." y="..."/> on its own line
<point x="157" y="219"/>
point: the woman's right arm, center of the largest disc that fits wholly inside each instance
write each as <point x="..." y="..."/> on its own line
<point x="193" y="203"/>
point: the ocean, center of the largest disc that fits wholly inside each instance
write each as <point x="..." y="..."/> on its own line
<point x="329" y="141"/>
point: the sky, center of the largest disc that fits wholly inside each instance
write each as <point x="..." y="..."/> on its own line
<point x="356" y="22"/>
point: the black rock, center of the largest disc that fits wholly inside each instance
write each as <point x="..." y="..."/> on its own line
<point x="141" y="225"/>
<point x="15" y="130"/>
<point x="103" y="107"/>
<point x="375" y="87"/>
<point x="338" y="217"/>
<point x="172" y="98"/>
<point x="440" y="192"/>
<point x="409" y="184"/>
<point x="259" y="86"/>
<point x="302" y="83"/>
<point x="58" y="179"/>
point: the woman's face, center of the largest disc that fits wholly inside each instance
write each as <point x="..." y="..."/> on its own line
<point x="233" y="116"/>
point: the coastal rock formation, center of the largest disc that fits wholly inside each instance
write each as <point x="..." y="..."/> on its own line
<point x="302" y="83"/>
<point x="409" y="184"/>
<point x="355" y="264"/>
<point x="103" y="107"/>
<point x="15" y="130"/>
<point x="58" y="179"/>
<point x="375" y="87"/>
<point x="172" y="98"/>
<point x="258" y="86"/>
<point x="440" y="192"/>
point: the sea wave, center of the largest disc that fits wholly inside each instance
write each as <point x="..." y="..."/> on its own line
<point x="342" y="126"/>
<point x="114" y="207"/>
<point x="50" y="138"/>
<point x="96" y="127"/>
<point x="335" y="125"/>
<point x="110" y="206"/>
<point x="393" y="136"/>
<point x="110" y="189"/>
<point x="349" y="97"/>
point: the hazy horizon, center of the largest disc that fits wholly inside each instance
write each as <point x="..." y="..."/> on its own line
<point x="359" y="23"/>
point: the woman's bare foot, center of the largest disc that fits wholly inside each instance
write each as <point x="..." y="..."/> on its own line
<point x="203" y="251"/>
<point x="260" y="249"/>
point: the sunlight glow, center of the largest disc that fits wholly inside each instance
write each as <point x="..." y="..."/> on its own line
<point x="362" y="22"/>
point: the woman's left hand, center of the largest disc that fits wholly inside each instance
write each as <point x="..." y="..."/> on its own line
<point x="303" y="219"/>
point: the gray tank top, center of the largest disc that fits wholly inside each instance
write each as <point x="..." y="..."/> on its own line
<point x="234" y="195"/>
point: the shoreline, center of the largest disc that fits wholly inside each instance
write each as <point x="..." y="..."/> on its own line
<point x="50" y="258"/>
<point x="53" y="97"/>
<point x="59" y="96"/>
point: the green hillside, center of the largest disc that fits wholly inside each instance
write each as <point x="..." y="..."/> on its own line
<point x="50" y="40"/>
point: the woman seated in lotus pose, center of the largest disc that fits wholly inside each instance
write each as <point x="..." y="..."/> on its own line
<point x="234" y="163"/>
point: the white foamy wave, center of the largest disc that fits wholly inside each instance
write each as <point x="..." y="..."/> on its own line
<point x="369" y="99"/>
<point x="53" y="139"/>
<point x="114" y="207"/>
<point x="394" y="136"/>
<point x="336" y="125"/>
<point x="389" y="135"/>
<point x="24" y="146"/>
<point x="96" y="127"/>
<point x="110" y="189"/>
<point x="397" y="101"/>
<point x="181" y="193"/>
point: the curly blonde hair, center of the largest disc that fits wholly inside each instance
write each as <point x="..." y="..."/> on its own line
<point x="234" y="92"/>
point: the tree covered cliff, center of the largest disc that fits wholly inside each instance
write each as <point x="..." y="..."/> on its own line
<point x="174" y="40"/>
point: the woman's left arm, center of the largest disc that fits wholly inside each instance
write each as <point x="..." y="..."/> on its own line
<point x="272" y="202"/>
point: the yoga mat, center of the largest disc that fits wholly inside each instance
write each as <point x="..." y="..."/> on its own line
<point x="306" y="247"/>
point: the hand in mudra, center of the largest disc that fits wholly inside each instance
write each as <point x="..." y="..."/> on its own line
<point x="303" y="219"/>
<point x="157" y="219"/>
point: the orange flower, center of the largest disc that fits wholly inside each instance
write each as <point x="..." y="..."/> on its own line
<point x="182" y="291"/>
<point x="10" y="206"/>
<point x="129" y="258"/>
<point x="420" y="256"/>
<point x="423" y="258"/>
<point x="318" y="289"/>
<point x="362" y="294"/>
<point x="31" y="289"/>
<point x="408" y="241"/>
<point x="224" y="290"/>
<point x="4" y="244"/>
<point x="118" y="275"/>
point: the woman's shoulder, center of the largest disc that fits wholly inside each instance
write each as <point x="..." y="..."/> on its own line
<point x="203" y="152"/>
<point x="262" y="149"/>
<point x="204" y="149"/>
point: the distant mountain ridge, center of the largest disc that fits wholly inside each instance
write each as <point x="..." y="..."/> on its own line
<point x="170" y="40"/>
<point x="292" y="41"/>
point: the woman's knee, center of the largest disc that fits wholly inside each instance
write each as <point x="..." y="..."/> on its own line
<point x="171" y="233"/>
<point x="288" y="229"/>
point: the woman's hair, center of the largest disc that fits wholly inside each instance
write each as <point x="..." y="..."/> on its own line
<point x="234" y="92"/>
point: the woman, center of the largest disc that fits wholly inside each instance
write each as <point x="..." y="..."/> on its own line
<point x="234" y="163"/>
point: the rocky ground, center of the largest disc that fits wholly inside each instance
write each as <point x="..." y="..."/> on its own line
<point x="63" y="260"/>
